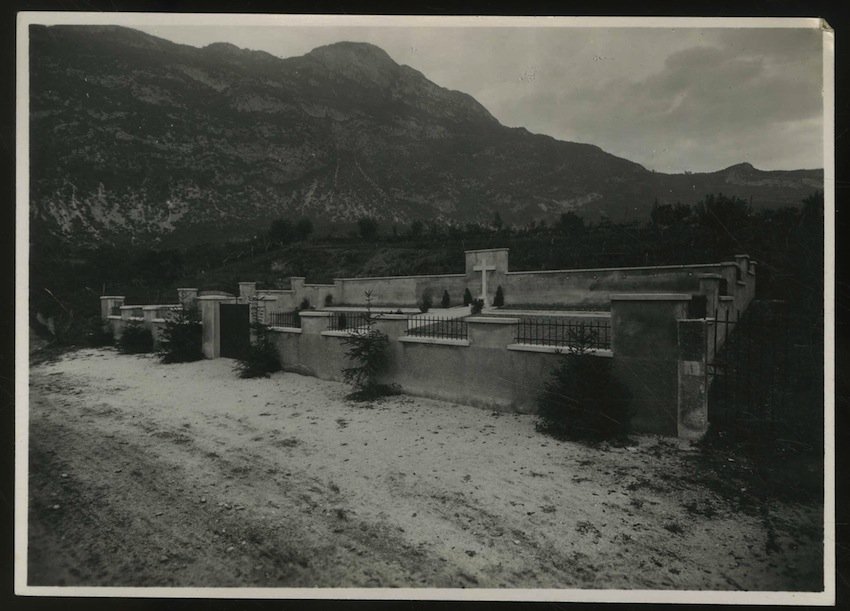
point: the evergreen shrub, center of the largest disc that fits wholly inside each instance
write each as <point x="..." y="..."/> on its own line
<point x="135" y="339"/>
<point x="583" y="401"/>
<point x="181" y="338"/>
<point x="262" y="358"/>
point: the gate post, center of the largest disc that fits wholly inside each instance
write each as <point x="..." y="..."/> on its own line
<point x="693" y="379"/>
<point x="646" y="355"/>
<point x="211" y="322"/>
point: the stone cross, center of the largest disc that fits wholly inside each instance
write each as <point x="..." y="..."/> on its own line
<point x="484" y="268"/>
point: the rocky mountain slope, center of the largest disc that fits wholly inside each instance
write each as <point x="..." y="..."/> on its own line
<point x="133" y="137"/>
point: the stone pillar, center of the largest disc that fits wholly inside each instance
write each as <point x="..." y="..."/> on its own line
<point x="107" y="303"/>
<point x="211" y="322"/>
<point x="314" y="322"/>
<point x="645" y="346"/>
<point x="491" y="332"/>
<point x="188" y="298"/>
<point x="743" y="263"/>
<point x="247" y="290"/>
<point x="693" y="379"/>
<point x="392" y="325"/>
<point x="709" y="285"/>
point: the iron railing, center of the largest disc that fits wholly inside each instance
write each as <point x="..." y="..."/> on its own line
<point x="284" y="319"/>
<point x="595" y="334"/>
<point x="444" y="328"/>
<point x="348" y="321"/>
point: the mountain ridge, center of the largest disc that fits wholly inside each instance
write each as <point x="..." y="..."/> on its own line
<point x="134" y="137"/>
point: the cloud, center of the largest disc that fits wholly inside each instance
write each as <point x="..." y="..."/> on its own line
<point x="670" y="99"/>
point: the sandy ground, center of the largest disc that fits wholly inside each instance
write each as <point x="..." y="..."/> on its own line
<point x="146" y="474"/>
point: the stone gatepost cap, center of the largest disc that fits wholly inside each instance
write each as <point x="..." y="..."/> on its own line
<point x="248" y="282"/>
<point x="651" y="297"/>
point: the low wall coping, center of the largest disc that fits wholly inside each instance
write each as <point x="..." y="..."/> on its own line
<point x="159" y="321"/>
<point x="314" y="314"/>
<point x="401" y="277"/>
<point x="618" y="269"/>
<point x="215" y="297"/>
<point x="131" y="307"/>
<point x="345" y="333"/>
<point x="727" y="298"/>
<point x="442" y="341"/>
<point x="487" y="250"/>
<point x="557" y="349"/>
<point x="710" y="276"/>
<point x="274" y="291"/>
<point x="158" y="306"/>
<point x="389" y="316"/>
<point x="114" y="317"/>
<point x="285" y="329"/>
<point x="112" y="297"/>
<point x="742" y="256"/>
<point x="651" y="297"/>
<point x="247" y="282"/>
<point x="492" y="320"/>
<point x="187" y="288"/>
<point x="317" y="284"/>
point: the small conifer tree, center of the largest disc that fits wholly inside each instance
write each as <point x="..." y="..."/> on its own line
<point x="467" y="297"/>
<point x="499" y="299"/>
<point x="446" y="301"/>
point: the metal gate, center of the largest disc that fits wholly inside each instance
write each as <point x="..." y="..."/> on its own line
<point x="764" y="372"/>
<point x="235" y="330"/>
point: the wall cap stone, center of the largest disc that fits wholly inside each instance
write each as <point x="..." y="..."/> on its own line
<point x="727" y="298"/>
<point x="557" y="349"/>
<point x="618" y="269"/>
<point x="443" y="341"/>
<point x="285" y="329"/>
<point x="112" y="297"/>
<point x="399" y="277"/>
<point x="651" y="297"/>
<point x="215" y="297"/>
<point x="114" y="317"/>
<point x="389" y="316"/>
<point x="710" y="277"/>
<point x="315" y="314"/>
<point x="492" y="320"/>
<point x="487" y="250"/>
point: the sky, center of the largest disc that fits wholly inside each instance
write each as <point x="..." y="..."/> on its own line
<point x="672" y="99"/>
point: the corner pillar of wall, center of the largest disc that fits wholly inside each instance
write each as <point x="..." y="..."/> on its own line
<point x="693" y="379"/>
<point x="646" y="356"/>
<point x="247" y="290"/>
<point x="313" y="322"/>
<point x="392" y="325"/>
<point x="108" y="303"/>
<point x="211" y="323"/>
<point x="188" y="298"/>
<point x="491" y="332"/>
<point x="709" y="285"/>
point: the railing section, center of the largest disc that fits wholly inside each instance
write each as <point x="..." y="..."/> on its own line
<point x="443" y="328"/>
<point x="284" y="319"/>
<point x="348" y="321"/>
<point x="551" y="331"/>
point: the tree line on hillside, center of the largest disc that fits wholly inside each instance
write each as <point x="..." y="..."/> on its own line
<point x="787" y="243"/>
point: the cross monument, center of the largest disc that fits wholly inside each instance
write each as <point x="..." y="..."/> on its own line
<point x="484" y="268"/>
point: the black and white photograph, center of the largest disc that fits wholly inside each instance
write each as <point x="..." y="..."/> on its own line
<point x="425" y="307"/>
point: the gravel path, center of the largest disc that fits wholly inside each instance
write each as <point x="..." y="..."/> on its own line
<point x="145" y="474"/>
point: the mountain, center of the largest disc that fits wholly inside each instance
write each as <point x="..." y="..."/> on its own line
<point x="133" y="137"/>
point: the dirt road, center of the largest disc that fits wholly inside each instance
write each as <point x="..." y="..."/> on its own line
<point x="145" y="474"/>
